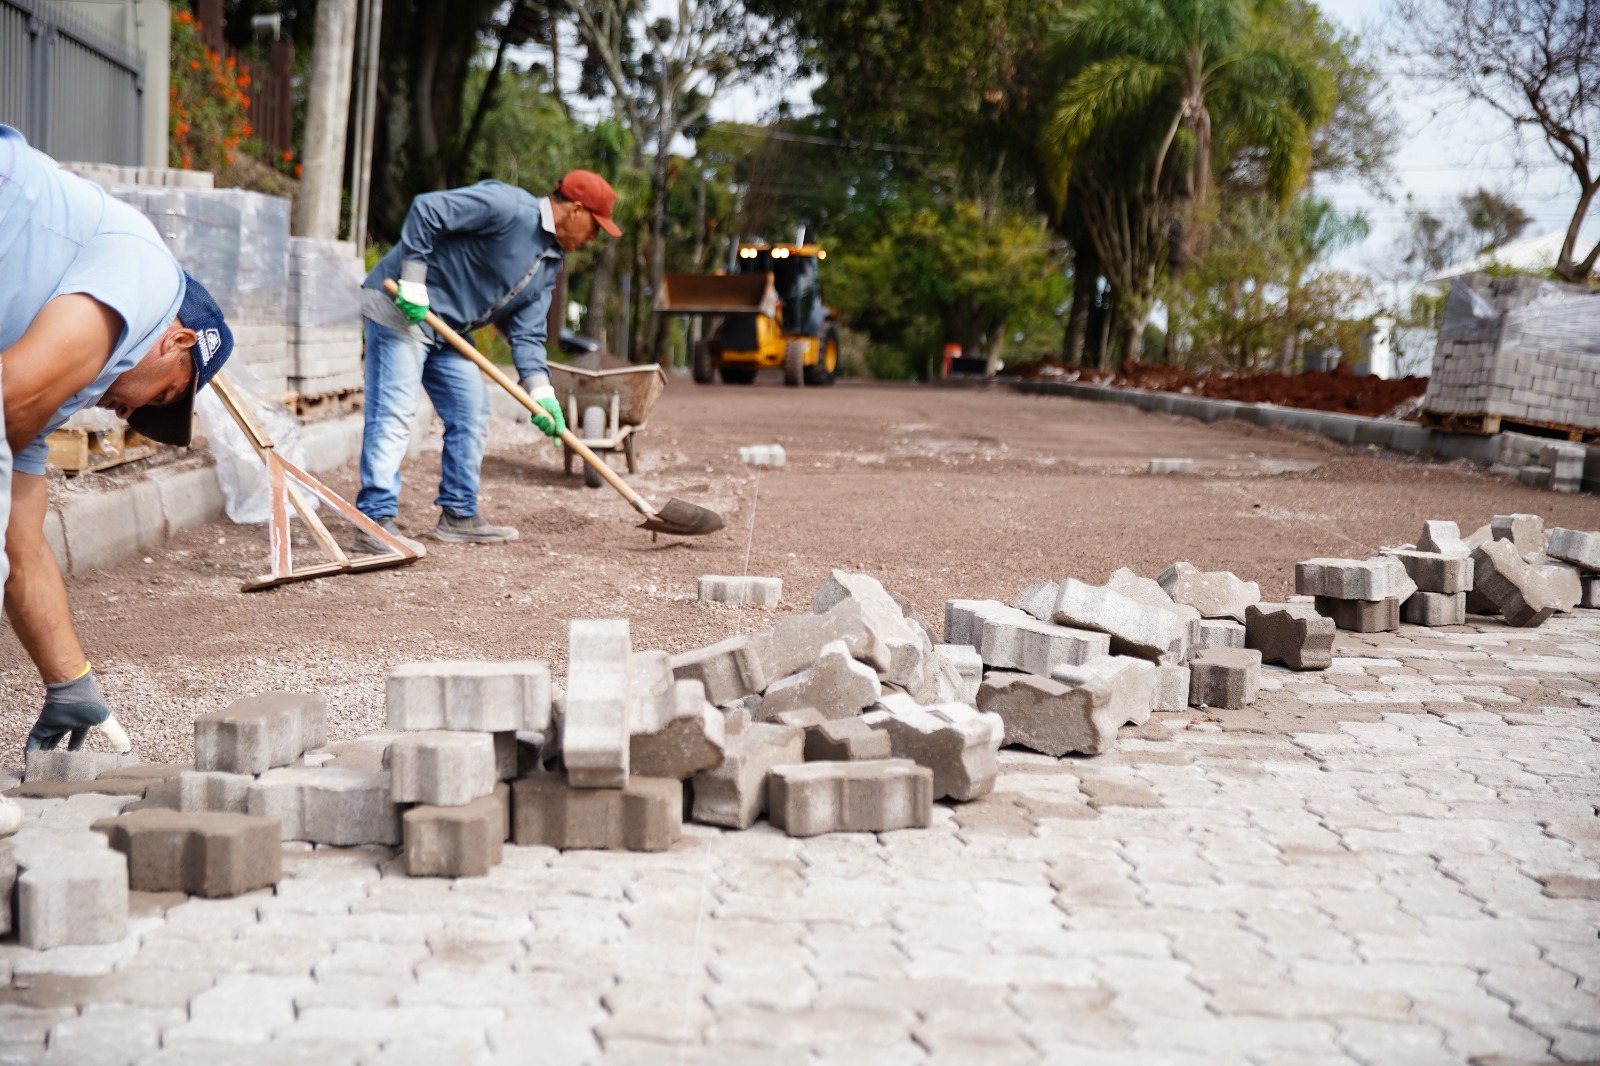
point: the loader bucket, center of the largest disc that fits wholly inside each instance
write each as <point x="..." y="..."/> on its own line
<point x="717" y="294"/>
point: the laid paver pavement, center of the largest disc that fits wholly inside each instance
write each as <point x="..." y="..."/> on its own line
<point x="1416" y="883"/>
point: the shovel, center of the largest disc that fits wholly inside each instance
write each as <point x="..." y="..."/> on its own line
<point x="678" y="518"/>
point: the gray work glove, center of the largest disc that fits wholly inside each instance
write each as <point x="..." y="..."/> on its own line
<point x="71" y="709"/>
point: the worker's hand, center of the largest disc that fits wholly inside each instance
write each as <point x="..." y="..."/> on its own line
<point x="552" y="423"/>
<point x="412" y="300"/>
<point x="71" y="709"/>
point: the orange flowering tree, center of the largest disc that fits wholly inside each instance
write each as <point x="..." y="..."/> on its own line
<point x="208" y="112"/>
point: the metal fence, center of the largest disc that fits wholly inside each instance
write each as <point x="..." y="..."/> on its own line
<point x="72" y="92"/>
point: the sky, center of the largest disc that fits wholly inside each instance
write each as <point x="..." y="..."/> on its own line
<point x="1446" y="148"/>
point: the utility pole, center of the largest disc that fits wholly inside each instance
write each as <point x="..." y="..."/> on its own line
<point x="327" y="117"/>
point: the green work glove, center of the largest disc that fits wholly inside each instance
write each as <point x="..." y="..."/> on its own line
<point x="71" y="709"/>
<point x="412" y="300"/>
<point x="552" y="423"/>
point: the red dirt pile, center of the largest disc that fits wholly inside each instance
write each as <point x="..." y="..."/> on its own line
<point x="1341" y="389"/>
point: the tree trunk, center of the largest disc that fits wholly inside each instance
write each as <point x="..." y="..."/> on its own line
<point x="1085" y="290"/>
<point x="598" y="305"/>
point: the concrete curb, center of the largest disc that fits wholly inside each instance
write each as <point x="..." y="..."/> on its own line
<point x="1405" y="437"/>
<point x="100" y="529"/>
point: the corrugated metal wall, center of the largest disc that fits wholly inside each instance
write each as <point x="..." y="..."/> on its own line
<point x="73" y="93"/>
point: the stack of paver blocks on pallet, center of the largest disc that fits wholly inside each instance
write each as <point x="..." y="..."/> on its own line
<point x="1541" y="463"/>
<point x="236" y="243"/>
<point x="107" y="175"/>
<point x="324" y="317"/>
<point x="1066" y="664"/>
<point x="1520" y="348"/>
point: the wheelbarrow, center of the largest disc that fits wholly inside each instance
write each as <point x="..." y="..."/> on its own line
<point x="607" y="409"/>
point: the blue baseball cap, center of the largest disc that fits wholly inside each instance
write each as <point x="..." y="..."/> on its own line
<point x="173" y="423"/>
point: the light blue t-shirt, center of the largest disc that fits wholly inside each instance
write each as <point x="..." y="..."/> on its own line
<point x="60" y="234"/>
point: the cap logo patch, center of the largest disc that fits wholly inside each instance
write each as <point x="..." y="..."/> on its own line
<point x="209" y="341"/>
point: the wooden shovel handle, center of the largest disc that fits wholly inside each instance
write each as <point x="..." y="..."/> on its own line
<point x="505" y="381"/>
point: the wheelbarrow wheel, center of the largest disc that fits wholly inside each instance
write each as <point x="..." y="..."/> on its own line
<point x="593" y="429"/>
<point x="630" y="450"/>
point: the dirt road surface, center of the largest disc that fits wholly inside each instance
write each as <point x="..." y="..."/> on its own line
<point x="940" y="493"/>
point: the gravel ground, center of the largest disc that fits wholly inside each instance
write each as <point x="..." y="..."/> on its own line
<point x="940" y="493"/>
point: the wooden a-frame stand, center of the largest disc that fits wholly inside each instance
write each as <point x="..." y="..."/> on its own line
<point x="281" y="476"/>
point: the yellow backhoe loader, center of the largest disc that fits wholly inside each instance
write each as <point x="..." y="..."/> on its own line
<point x="768" y="314"/>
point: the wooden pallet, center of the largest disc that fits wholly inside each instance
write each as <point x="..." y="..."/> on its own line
<point x="80" y="451"/>
<point x="324" y="405"/>
<point x="1489" y="425"/>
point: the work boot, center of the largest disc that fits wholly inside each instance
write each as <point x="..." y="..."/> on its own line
<point x="471" y="530"/>
<point x="366" y="544"/>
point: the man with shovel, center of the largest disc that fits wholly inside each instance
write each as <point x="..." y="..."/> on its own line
<point x="94" y="311"/>
<point x="486" y="253"/>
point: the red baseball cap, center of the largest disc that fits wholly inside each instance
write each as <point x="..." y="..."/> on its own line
<point x="594" y="193"/>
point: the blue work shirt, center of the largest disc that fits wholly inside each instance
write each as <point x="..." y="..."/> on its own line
<point x="59" y="235"/>
<point x="487" y="253"/>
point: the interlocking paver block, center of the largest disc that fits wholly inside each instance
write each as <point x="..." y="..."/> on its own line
<point x="8" y="884"/>
<point x="1525" y="531"/>
<point x="214" y="790"/>
<point x="1591" y="592"/>
<point x="255" y="734"/>
<point x="1380" y="578"/>
<point x="967" y="664"/>
<point x="1518" y="591"/>
<point x="759" y="591"/>
<point x="441" y="768"/>
<point x="794" y="643"/>
<point x="1171" y="690"/>
<point x="837" y="686"/>
<point x="842" y="739"/>
<point x="1361" y="616"/>
<point x="729" y="670"/>
<point x="1050" y="717"/>
<point x="1170" y="466"/>
<point x="1038" y="599"/>
<point x="1215" y="594"/>
<point x="851" y="797"/>
<point x="1435" y="571"/>
<point x="594" y="731"/>
<point x="469" y="695"/>
<point x="646" y="814"/>
<point x="1293" y="634"/>
<point x="464" y="841"/>
<point x="327" y="805"/>
<point x="1225" y="677"/>
<point x="1442" y="537"/>
<point x="677" y="734"/>
<point x="735" y="793"/>
<point x="903" y="643"/>
<point x="1219" y="633"/>
<point x="1562" y="579"/>
<point x="1135" y="628"/>
<point x="204" y="853"/>
<point x="1018" y="641"/>
<point x="1132" y="683"/>
<point x="70" y="895"/>
<point x="1435" y="609"/>
<point x="1149" y="592"/>
<point x="960" y="745"/>
<point x="1574" y="546"/>
<point x="64" y="765"/>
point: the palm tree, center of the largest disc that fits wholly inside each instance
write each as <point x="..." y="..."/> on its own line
<point x="1159" y="84"/>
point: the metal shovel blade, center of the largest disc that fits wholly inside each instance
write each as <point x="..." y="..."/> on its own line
<point x="683" y="519"/>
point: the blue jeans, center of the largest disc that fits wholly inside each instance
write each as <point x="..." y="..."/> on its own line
<point x="396" y="365"/>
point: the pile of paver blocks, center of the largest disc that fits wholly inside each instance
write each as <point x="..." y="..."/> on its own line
<point x="1518" y="347"/>
<point x="1540" y="462"/>
<point x="1510" y="567"/>
<point x="324" y="314"/>
<point x="107" y="175"/>
<point x="1066" y="664"/>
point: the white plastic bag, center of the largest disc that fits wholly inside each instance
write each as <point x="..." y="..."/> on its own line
<point x="240" y="472"/>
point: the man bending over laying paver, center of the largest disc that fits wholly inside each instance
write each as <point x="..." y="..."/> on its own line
<point x="94" y="310"/>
